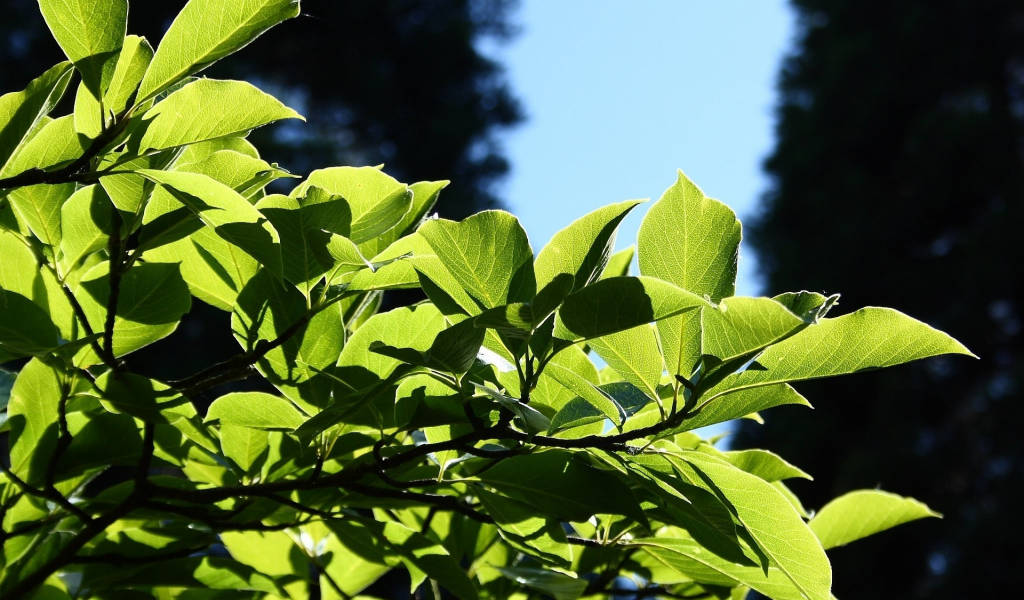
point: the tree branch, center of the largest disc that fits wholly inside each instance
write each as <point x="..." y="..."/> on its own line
<point x="237" y="367"/>
<point x="121" y="560"/>
<point x="49" y="493"/>
<point x="70" y="173"/>
<point x="445" y="502"/>
<point x="115" y="251"/>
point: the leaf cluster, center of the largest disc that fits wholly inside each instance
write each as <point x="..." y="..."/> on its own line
<point x="469" y="440"/>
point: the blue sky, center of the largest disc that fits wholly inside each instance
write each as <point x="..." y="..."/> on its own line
<point x="619" y="94"/>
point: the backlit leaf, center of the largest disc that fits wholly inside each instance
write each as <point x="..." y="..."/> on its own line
<point x="21" y="112"/>
<point x="257" y="410"/>
<point x="152" y="299"/>
<point x="378" y="203"/>
<point x="620" y="303"/>
<point x="226" y="212"/>
<point x="583" y="248"/>
<point x="24" y="326"/>
<point x="91" y="33"/>
<point x="690" y="240"/>
<point x="206" y="31"/>
<point x="771" y="521"/>
<point x="488" y="254"/>
<point x="859" y="514"/>
<point x="207" y="109"/>
<point x="870" y="338"/>
<point x="561" y="485"/>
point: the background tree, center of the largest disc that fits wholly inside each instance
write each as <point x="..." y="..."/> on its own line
<point x="898" y="177"/>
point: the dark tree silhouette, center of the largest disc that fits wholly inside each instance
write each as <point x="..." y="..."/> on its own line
<point x="899" y="180"/>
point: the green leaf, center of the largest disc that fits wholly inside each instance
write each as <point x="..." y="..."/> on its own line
<point x="136" y="53"/>
<point x="39" y="207"/>
<point x="245" y="174"/>
<point x="521" y="318"/>
<point x="771" y="521"/>
<point x="305" y="226"/>
<point x="583" y="248"/>
<point x="21" y="112"/>
<point x="519" y="524"/>
<point x="691" y="241"/>
<point x="488" y="254"/>
<point x="85" y="224"/>
<point x="246" y="446"/>
<point x="444" y="458"/>
<point x="429" y="558"/>
<point x="378" y="202"/>
<point x="562" y="486"/>
<point x="739" y="404"/>
<point x="206" y="31"/>
<point x="91" y="33"/>
<point x="589" y="392"/>
<point x="626" y="396"/>
<point x="265" y="310"/>
<point x="414" y="327"/>
<point x="620" y="303"/>
<point x="257" y="410"/>
<point x="215" y="270"/>
<point x="56" y="144"/>
<point x="272" y="553"/>
<point x="557" y="585"/>
<point x="619" y="263"/>
<point x="530" y="419"/>
<point x="24" y="326"/>
<point x="206" y="109"/>
<point x="153" y="297"/>
<point x="89" y="116"/>
<point x="858" y="514"/>
<point x="21" y="273"/>
<point x="766" y="465"/>
<point x="424" y="197"/>
<point x="143" y="398"/>
<point x="455" y="348"/>
<point x="870" y="338"/>
<point x="693" y="561"/>
<point x="680" y="338"/>
<point x="635" y="355"/>
<point x="32" y="418"/>
<point x="740" y="325"/>
<point x="200" y="572"/>
<point x="809" y="306"/>
<point x="356" y="557"/>
<point x="226" y="212"/>
<point x="550" y="392"/>
<point x="130" y="192"/>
